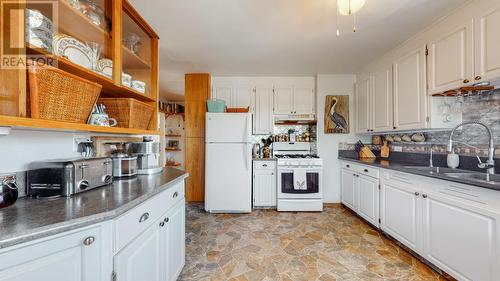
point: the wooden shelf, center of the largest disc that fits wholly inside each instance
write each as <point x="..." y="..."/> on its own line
<point x="109" y="88"/>
<point x="173" y="136"/>
<point x="133" y="61"/>
<point x="21" y="122"/>
<point x="173" y="165"/>
<point x="76" y="24"/>
<point x="172" y="149"/>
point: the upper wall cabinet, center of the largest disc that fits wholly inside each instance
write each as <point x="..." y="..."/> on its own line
<point x="263" y="112"/>
<point x="363" y="108"/>
<point x="294" y="97"/>
<point x="234" y="93"/>
<point x="382" y="100"/>
<point x="410" y="91"/>
<point x="450" y="62"/>
<point x="488" y="45"/>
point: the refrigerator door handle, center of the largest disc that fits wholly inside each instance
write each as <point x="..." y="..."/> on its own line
<point x="245" y="154"/>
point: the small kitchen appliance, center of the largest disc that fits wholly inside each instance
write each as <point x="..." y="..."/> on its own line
<point x="124" y="165"/>
<point x="8" y="190"/>
<point x="66" y="177"/>
<point x="148" y="153"/>
<point x="299" y="177"/>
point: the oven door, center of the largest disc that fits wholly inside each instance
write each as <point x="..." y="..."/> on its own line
<point x="286" y="188"/>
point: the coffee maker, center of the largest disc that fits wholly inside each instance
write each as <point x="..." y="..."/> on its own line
<point x="148" y="153"/>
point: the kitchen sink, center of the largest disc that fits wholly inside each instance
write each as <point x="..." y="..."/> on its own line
<point x="435" y="170"/>
<point x="479" y="177"/>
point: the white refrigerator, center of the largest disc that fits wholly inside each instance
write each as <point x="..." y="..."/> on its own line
<point x="228" y="163"/>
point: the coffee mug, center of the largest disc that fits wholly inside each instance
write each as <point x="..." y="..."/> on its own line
<point x="100" y="119"/>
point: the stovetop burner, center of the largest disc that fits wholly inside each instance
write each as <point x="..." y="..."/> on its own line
<point x="303" y="156"/>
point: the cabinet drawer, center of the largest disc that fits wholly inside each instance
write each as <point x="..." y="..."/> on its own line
<point x="137" y="220"/>
<point x="264" y="165"/>
<point x="367" y="171"/>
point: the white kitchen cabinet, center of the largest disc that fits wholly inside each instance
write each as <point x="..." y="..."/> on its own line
<point x="487" y="45"/>
<point x="451" y="59"/>
<point x="242" y="95"/>
<point x="303" y="99"/>
<point x="158" y="254"/>
<point x="142" y="258"/>
<point x="368" y="199"/>
<point x="363" y="108"/>
<point x="410" y="99"/>
<point x="382" y="102"/>
<point x="173" y="243"/>
<point x="263" y="111"/>
<point x="348" y="186"/>
<point x="83" y="255"/>
<point x="460" y="239"/>
<point x="283" y="99"/>
<point x="264" y="184"/>
<point x="223" y="92"/>
<point x="400" y="211"/>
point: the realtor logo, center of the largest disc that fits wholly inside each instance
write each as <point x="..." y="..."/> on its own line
<point x="27" y="30"/>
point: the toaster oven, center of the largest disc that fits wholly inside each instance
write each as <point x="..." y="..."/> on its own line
<point x="67" y="176"/>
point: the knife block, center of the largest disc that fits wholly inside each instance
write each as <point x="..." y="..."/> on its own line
<point x="366" y="153"/>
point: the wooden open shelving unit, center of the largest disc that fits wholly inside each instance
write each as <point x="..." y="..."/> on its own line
<point x="143" y="65"/>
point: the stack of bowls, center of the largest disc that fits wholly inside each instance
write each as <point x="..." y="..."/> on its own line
<point x="39" y="30"/>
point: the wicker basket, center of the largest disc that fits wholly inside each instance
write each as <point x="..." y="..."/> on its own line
<point x="58" y="95"/>
<point x="129" y="113"/>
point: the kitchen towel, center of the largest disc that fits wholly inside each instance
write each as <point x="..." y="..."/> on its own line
<point x="300" y="179"/>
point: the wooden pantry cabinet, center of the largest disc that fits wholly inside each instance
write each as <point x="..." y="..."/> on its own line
<point x="120" y="20"/>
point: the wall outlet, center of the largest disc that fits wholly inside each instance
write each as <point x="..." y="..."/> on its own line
<point x="397" y="148"/>
<point x="4" y="131"/>
<point x="77" y="140"/>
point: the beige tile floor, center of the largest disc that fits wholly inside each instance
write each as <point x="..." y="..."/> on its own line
<point x="267" y="245"/>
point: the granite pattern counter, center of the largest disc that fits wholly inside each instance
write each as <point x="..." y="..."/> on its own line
<point x="403" y="167"/>
<point x="30" y="218"/>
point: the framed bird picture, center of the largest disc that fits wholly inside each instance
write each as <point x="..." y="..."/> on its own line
<point x="337" y="115"/>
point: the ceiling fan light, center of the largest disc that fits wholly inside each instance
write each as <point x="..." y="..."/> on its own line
<point x="349" y="7"/>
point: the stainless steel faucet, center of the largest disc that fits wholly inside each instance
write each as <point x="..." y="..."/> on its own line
<point x="490" y="163"/>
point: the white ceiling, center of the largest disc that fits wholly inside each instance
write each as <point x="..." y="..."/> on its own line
<point x="277" y="37"/>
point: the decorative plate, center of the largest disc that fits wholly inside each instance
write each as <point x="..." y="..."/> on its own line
<point x="105" y="67"/>
<point x="72" y="49"/>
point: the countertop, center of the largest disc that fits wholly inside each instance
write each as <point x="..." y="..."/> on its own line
<point x="33" y="218"/>
<point x="403" y="167"/>
<point x="264" y="159"/>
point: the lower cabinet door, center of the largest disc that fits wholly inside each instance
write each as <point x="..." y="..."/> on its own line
<point x="141" y="259"/>
<point x="368" y="199"/>
<point x="264" y="188"/>
<point x="460" y="239"/>
<point x="78" y="256"/>
<point x="173" y="242"/>
<point x="400" y="213"/>
<point x="348" y="193"/>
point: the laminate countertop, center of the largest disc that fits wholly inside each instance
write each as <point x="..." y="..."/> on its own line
<point x="406" y="167"/>
<point x="33" y="218"/>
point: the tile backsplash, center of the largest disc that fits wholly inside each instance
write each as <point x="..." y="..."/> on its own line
<point x="485" y="110"/>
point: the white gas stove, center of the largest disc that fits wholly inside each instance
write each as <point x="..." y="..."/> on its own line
<point x="299" y="177"/>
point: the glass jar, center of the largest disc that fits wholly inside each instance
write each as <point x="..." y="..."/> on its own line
<point x="93" y="12"/>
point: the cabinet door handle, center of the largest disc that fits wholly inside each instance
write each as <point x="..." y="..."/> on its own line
<point x="162" y="224"/>
<point x="417" y="194"/>
<point x="166" y="220"/>
<point x="466" y="81"/>
<point x="478" y="78"/>
<point x="264" y="165"/>
<point x="89" y="240"/>
<point x="144" y="217"/>
<point x="348" y="166"/>
<point x="366" y="170"/>
<point x="424" y="195"/>
<point x="175" y="194"/>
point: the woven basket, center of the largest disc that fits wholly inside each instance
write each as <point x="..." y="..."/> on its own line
<point x="58" y="95"/>
<point x="129" y="113"/>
